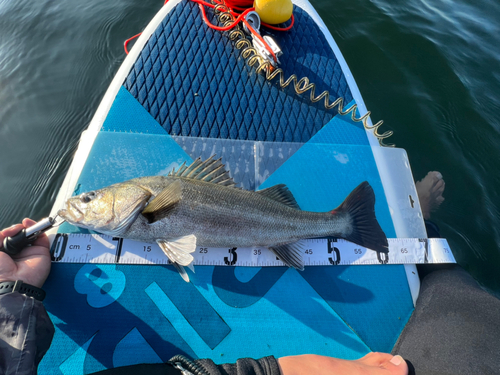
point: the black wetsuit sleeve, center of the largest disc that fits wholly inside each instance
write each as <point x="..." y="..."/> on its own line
<point x="243" y="366"/>
<point x="25" y="334"/>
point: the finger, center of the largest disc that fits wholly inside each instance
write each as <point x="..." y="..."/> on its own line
<point x="15" y="229"/>
<point x="11" y="231"/>
<point x="42" y="239"/>
<point x="396" y="366"/>
<point x="376" y="358"/>
<point x="27" y="222"/>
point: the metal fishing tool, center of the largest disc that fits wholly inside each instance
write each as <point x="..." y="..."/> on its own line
<point x="14" y="244"/>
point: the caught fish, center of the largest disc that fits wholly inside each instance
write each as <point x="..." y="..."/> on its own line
<point x="200" y="204"/>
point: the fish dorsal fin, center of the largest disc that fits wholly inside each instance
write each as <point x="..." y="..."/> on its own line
<point x="210" y="170"/>
<point x="179" y="250"/>
<point x="163" y="203"/>
<point x="290" y="254"/>
<point x="280" y="193"/>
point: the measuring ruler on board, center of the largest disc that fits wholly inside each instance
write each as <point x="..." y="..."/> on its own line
<point x="97" y="248"/>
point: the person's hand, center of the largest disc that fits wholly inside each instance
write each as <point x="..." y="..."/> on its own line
<point x="370" y="364"/>
<point x="32" y="264"/>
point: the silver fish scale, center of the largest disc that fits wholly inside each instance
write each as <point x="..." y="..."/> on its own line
<point x="223" y="216"/>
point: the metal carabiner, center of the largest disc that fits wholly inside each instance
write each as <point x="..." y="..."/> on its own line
<point x="253" y="20"/>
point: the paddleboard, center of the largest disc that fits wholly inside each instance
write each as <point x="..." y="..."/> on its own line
<point x="185" y="91"/>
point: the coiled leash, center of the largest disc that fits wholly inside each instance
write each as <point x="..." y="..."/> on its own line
<point x="263" y="53"/>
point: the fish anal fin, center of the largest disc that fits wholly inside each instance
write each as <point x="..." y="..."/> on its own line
<point x="179" y="250"/>
<point x="164" y="202"/>
<point x="281" y="194"/>
<point x="290" y="254"/>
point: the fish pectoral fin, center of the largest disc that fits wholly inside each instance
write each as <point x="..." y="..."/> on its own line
<point x="164" y="202"/>
<point x="179" y="250"/>
<point x="281" y="194"/>
<point x="290" y="254"/>
<point x="182" y="272"/>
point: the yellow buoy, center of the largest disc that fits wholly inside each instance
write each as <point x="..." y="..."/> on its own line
<point x="273" y="11"/>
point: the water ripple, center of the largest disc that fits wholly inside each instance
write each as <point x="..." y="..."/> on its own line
<point x="430" y="69"/>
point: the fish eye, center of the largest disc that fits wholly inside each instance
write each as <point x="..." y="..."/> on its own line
<point x="86" y="198"/>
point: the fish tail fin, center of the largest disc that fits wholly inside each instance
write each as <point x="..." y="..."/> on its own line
<point x="366" y="231"/>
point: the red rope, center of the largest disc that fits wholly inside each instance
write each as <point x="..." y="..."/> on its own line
<point x="245" y="6"/>
<point x="240" y="18"/>
<point x="280" y="28"/>
<point x="129" y="40"/>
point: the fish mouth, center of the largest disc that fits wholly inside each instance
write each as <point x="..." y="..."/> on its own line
<point x="72" y="213"/>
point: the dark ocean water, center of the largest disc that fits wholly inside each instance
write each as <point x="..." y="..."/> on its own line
<point x="429" y="69"/>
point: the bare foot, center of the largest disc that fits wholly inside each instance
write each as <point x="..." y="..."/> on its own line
<point x="430" y="193"/>
<point x="370" y="364"/>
